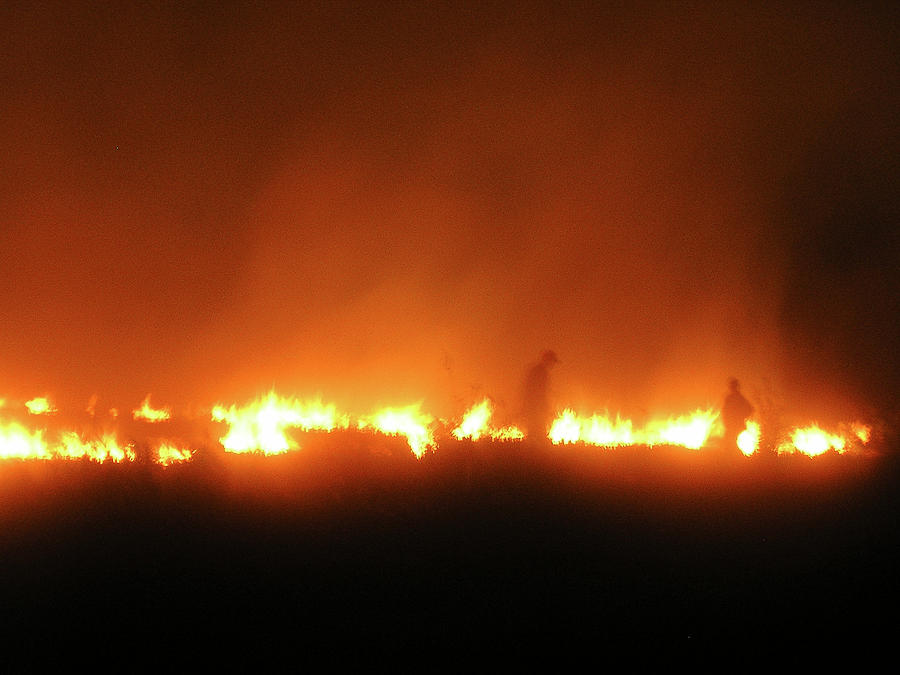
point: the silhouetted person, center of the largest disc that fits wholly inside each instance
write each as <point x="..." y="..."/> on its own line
<point x="736" y="410"/>
<point x="536" y="409"/>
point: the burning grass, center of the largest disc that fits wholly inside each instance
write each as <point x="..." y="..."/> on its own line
<point x="273" y="425"/>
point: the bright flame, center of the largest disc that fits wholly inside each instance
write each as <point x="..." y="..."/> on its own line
<point x="408" y="421"/>
<point x="150" y="414"/>
<point x="601" y="431"/>
<point x="40" y="406"/>
<point x="748" y="439"/>
<point x="17" y="442"/>
<point x="99" y="450"/>
<point x="260" y="426"/>
<point x="475" y="424"/>
<point x="689" y="431"/>
<point x="812" y="441"/>
<point x="566" y="428"/>
<point x="510" y="433"/>
<point x="169" y="453"/>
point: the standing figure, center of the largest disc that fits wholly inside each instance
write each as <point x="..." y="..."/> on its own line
<point x="536" y="409"/>
<point x="736" y="410"/>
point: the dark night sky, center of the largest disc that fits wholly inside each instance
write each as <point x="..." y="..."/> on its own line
<point x="386" y="202"/>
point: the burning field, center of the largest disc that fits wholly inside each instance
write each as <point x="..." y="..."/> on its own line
<point x="267" y="427"/>
<point x="286" y="524"/>
<point x="425" y="327"/>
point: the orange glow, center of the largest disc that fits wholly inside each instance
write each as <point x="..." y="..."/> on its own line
<point x="862" y="431"/>
<point x="150" y="414"/>
<point x="72" y="446"/>
<point x="475" y="422"/>
<point x="601" y="431"/>
<point x="16" y="442"/>
<point x="408" y="421"/>
<point x="748" y="439"/>
<point x="263" y="426"/>
<point x="169" y="453"/>
<point x="40" y="406"/>
<point x="510" y="433"/>
<point x="260" y="426"/>
<point x="475" y="425"/>
<point x="566" y="428"/>
<point x="596" y="430"/>
<point x="812" y="441"/>
<point x="689" y="431"/>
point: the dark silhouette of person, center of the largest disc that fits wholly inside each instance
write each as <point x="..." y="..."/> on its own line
<point x="536" y="409"/>
<point x="736" y="410"/>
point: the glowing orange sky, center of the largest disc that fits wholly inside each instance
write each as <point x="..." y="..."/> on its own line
<point x="387" y="205"/>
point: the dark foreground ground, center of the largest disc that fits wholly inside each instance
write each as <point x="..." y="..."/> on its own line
<point x="350" y="547"/>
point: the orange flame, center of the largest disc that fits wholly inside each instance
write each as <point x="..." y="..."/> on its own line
<point x="17" y="442"/>
<point x="862" y="431"/>
<point x="566" y="428"/>
<point x="72" y="446"/>
<point x="689" y="431"/>
<point x="748" y="439"/>
<point x="150" y="414"/>
<point x="812" y="441"/>
<point x="40" y="406"/>
<point x="510" y="433"/>
<point x="260" y="426"/>
<point x="408" y="421"/>
<point x="169" y="453"/>
<point x="475" y="424"/>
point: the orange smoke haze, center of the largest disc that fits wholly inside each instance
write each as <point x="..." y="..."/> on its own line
<point x="386" y="206"/>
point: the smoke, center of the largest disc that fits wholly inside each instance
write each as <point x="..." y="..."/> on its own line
<point x="387" y="205"/>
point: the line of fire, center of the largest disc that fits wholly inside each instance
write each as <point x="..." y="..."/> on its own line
<point x="271" y="424"/>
